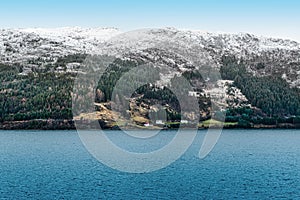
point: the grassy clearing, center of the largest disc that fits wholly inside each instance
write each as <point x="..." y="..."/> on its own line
<point x="213" y="122"/>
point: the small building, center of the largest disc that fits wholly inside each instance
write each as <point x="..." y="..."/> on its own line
<point x="159" y="122"/>
<point x="194" y="94"/>
<point x="184" y="121"/>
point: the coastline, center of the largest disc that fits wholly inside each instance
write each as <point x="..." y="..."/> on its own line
<point x="67" y="124"/>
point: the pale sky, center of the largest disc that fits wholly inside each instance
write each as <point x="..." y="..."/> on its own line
<point x="261" y="17"/>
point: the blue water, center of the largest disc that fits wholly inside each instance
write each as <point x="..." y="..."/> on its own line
<point x="251" y="164"/>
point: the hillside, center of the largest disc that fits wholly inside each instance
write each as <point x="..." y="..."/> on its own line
<point x="254" y="80"/>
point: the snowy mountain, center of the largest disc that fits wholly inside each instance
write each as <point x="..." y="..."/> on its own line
<point x="280" y="57"/>
<point x="38" y="46"/>
<point x="254" y="79"/>
<point x="22" y="45"/>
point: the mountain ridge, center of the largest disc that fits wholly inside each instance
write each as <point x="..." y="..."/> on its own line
<point x="26" y="46"/>
<point x="254" y="80"/>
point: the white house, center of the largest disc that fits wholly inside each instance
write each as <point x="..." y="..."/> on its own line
<point x="159" y="122"/>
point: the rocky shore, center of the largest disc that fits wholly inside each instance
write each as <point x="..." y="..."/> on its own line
<point x="64" y="124"/>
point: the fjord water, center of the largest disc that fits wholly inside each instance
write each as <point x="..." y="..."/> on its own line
<point x="251" y="164"/>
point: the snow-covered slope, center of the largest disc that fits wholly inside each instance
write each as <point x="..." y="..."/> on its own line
<point x="22" y="45"/>
<point x="38" y="46"/>
<point x="262" y="56"/>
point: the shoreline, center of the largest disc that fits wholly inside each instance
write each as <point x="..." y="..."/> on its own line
<point x="65" y="124"/>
